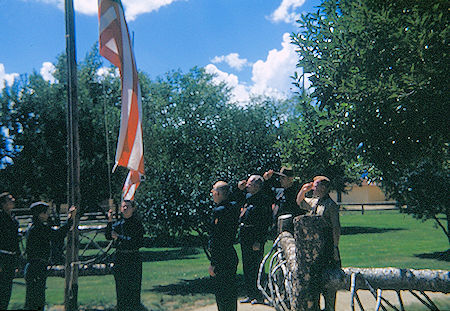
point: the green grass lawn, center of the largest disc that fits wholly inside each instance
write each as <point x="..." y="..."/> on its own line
<point x="176" y="278"/>
<point x="391" y="239"/>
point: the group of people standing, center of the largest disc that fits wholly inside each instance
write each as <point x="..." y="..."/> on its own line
<point x="251" y="213"/>
<point x="39" y="238"/>
<point x="252" y="210"/>
<point x="127" y="234"/>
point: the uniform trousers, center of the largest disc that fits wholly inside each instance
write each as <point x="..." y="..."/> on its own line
<point x="6" y="281"/>
<point x="35" y="279"/>
<point x="250" y="261"/>
<point x="225" y="290"/>
<point x="224" y="282"/>
<point x="128" y="277"/>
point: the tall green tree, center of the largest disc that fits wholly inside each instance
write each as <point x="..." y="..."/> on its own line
<point x="382" y="67"/>
<point x="34" y="111"/>
<point x="35" y="118"/>
<point x="193" y="136"/>
<point x="314" y="145"/>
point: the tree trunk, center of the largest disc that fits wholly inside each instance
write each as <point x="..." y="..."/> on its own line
<point x="309" y="240"/>
<point x="448" y="225"/>
<point x="390" y="279"/>
<point x="289" y="249"/>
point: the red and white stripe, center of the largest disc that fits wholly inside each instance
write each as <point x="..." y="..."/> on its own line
<point x="115" y="46"/>
<point x="131" y="183"/>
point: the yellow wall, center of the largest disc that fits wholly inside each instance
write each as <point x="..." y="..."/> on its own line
<point x="366" y="193"/>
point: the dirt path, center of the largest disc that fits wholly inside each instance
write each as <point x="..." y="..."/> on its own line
<point x="343" y="301"/>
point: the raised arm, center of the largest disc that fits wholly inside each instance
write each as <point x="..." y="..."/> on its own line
<point x="301" y="194"/>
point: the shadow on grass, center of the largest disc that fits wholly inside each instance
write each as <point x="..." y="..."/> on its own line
<point x="152" y="256"/>
<point x="442" y="256"/>
<point x="191" y="287"/>
<point x="185" y="287"/>
<point x="362" y="230"/>
<point x="97" y="309"/>
<point x="172" y="254"/>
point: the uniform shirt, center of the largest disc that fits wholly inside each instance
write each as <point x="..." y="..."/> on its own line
<point x="40" y="236"/>
<point x="223" y="229"/>
<point x="329" y="212"/>
<point x="9" y="233"/>
<point x="324" y="207"/>
<point x="9" y="240"/>
<point x="256" y="217"/>
<point x="286" y="199"/>
<point x="130" y="233"/>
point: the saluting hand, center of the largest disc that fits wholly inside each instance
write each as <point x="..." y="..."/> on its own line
<point x="110" y="215"/>
<point x="211" y="270"/>
<point x="242" y="184"/>
<point x="301" y="194"/>
<point x="268" y="175"/>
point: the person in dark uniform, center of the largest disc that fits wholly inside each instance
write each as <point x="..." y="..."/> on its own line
<point x="255" y="220"/>
<point x="40" y="237"/>
<point x="9" y="247"/>
<point x="128" y="236"/>
<point x="284" y="193"/>
<point x="224" y="259"/>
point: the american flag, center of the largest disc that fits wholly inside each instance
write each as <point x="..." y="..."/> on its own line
<point x="131" y="183"/>
<point x="116" y="47"/>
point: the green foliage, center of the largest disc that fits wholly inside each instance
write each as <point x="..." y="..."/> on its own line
<point x="193" y="136"/>
<point x="35" y="112"/>
<point x="382" y="68"/>
<point x="312" y="142"/>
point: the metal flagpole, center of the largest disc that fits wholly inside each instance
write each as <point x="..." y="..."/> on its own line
<point x="73" y="160"/>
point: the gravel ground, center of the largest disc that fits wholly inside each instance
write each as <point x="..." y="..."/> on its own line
<point x="343" y="301"/>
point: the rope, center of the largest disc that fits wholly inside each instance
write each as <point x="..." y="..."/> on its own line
<point x="279" y="278"/>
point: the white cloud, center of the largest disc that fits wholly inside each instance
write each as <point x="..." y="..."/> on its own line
<point x="232" y="60"/>
<point x="133" y="8"/>
<point x="108" y="71"/>
<point x="270" y="77"/>
<point x="273" y="76"/>
<point x="7" y="78"/>
<point x="286" y="11"/>
<point x="47" y="71"/>
<point x="239" y="93"/>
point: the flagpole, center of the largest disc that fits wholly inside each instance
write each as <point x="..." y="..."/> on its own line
<point x="73" y="161"/>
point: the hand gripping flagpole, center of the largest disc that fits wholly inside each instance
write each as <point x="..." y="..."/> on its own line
<point x="73" y="160"/>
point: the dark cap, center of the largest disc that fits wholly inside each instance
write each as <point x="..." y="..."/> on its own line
<point x="38" y="207"/>
<point x="286" y="172"/>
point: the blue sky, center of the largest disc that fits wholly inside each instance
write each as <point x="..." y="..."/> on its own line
<point x="244" y="42"/>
